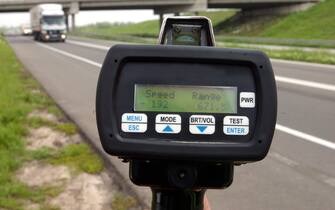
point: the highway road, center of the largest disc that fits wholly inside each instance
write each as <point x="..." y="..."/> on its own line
<point x="298" y="173"/>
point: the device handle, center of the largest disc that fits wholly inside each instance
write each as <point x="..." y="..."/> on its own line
<point x="177" y="199"/>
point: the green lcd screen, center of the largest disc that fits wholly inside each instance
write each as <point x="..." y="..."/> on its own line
<point x="177" y="98"/>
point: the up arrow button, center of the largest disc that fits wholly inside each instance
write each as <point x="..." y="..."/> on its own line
<point x="168" y="129"/>
<point x="168" y="123"/>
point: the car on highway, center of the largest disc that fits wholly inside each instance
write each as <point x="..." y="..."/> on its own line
<point x="26" y="30"/>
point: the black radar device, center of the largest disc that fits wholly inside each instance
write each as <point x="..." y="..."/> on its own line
<point x="183" y="113"/>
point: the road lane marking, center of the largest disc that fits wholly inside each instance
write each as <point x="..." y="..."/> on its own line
<point x="288" y="80"/>
<point x="306" y="83"/>
<point x="71" y="55"/>
<point x="281" y="128"/>
<point x="283" y="159"/>
<point x="319" y="65"/>
<point x="306" y="136"/>
<point x="318" y="175"/>
<point x="84" y="44"/>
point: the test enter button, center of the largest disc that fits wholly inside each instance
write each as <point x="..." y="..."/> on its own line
<point x="236" y="130"/>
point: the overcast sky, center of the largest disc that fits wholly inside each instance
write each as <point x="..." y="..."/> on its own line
<point x="86" y="17"/>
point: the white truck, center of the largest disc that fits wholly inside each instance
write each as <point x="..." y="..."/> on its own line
<point x="48" y="22"/>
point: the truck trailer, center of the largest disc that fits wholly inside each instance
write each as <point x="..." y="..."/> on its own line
<point x="48" y="22"/>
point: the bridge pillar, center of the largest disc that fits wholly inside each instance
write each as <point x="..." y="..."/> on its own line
<point x="73" y="21"/>
<point x="66" y="13"/>
<point x="73" y="10"/>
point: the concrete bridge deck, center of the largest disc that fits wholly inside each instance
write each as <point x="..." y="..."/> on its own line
<point x="25" y="5"/>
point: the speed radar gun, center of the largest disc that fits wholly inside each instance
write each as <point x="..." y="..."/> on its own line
<point x="183" y="113"/>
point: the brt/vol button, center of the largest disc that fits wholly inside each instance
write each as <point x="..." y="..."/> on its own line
<point x="202" y="124"/>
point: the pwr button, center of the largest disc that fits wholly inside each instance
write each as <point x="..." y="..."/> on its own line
<point x="247" y="100"/>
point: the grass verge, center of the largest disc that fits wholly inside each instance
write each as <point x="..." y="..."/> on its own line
<point x="123" y="202"/>
<point x="314" y="27"/>
<point x="121" y="31"/>
<point x="19" y="96"/>
<point x="317" y="22"/>
<point x="295" y="55"/>
<point x="16" y="101"/>
<point x="65" y="127"/>
<point x="78" y="157"/>
<point x="326" y="44"/>
<point x="143" y="32"/>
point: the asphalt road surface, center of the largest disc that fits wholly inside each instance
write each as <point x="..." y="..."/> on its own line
<point x="298" y="173"/>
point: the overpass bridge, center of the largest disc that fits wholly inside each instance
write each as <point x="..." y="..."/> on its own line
<point x="71" y="7"/>
<point x="157" y="5"/>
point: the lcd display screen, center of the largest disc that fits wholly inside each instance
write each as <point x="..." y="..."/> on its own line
<point x="180" y="98"/>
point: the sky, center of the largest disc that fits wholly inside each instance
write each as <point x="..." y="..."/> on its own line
<point x="85" y="17"/>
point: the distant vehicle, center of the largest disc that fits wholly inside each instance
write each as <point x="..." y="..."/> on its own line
<point x="26" y="30"/>
<point x="48" y="22"/>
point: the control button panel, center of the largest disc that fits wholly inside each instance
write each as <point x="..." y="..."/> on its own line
<point x="168" y="123"/>
<point x="247" y="100"/>
<point x="134" y="122"/>
<point x="202" y="124"/>
<point x="236" y="125"/>
<point x="198" y="124"/>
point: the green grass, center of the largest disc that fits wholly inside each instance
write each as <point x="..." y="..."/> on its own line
<point x="80" y="157"/>
<point x="143" y="29"/>
<point x="18" y="97"/>
<point x="41" y="154"/>
<point x="15" y="103"/>
<point x="314" y="27"/>
<point x="308" y="28"/>
<point x="144" y="32"/>
<point x="65" y="127"/>
<point x="296" y="55"/>
<point x="123" y="202"/>
<point x="245" y="26"/>
<point x="217" y="17"/>
<point x="276" y="41"/>
<point x="317" y="22"/>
